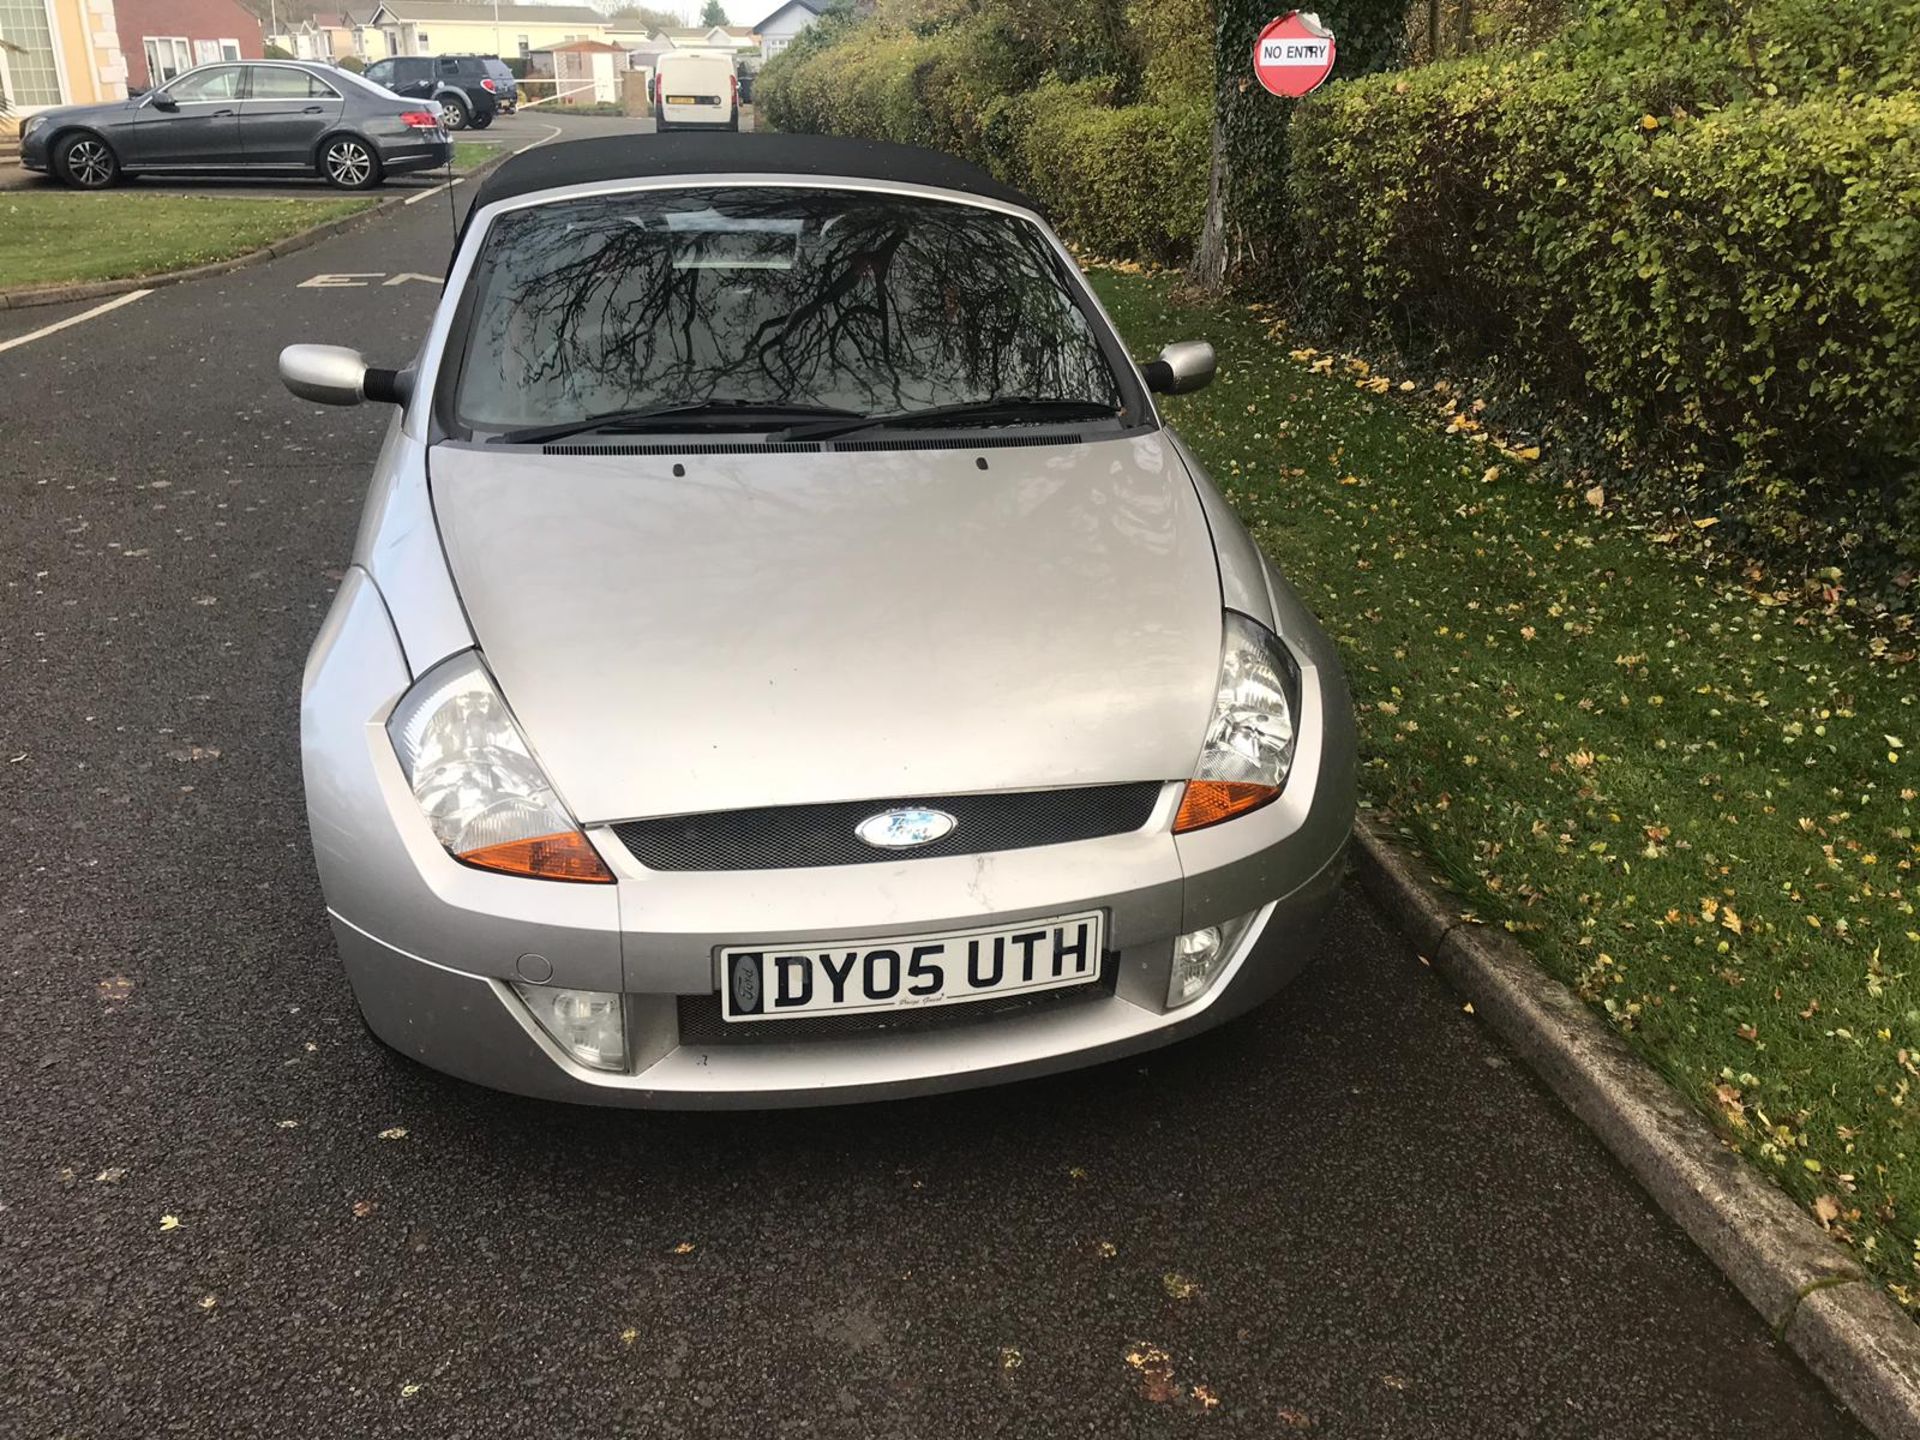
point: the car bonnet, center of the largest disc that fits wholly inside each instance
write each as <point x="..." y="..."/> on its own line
<point x="692" y="632"/>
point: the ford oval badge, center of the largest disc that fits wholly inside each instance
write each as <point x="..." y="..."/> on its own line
<point x="903" y="829"/>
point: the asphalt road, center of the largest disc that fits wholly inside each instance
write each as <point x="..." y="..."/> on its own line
<point x="1350" y="1214"/>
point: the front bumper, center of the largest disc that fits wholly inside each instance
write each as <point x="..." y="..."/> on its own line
<point x="473" y="1027"/>
<point x="33" y="150"/>
<point x="431" y="946"/>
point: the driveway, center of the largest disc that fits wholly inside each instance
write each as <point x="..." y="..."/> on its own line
<point x="226" y="1211"/>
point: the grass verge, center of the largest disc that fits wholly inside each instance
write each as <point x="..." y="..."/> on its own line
<point x="467" y="154"/>
<point x="55" y="237"/>
<point x="1695" y="807"/>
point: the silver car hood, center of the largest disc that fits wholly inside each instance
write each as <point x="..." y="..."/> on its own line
<point x="778" y="629"/>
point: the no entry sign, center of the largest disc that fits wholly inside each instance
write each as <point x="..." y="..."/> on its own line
<point x="1293" y="54"/>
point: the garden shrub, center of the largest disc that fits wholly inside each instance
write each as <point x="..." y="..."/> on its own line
<point x="1724" y="283"/>
<point x="1123" y="181"/>
<point x="1127" y="180"/>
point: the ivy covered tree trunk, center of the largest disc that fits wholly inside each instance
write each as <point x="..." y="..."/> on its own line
<point x="1209" y="266"/>
<point x="1245" y="236"/>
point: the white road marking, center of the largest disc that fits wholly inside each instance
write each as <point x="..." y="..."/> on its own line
<point x="361" y="279"/>
<point x="113" y="304"/>
<point x="541" y="141"/>
<point x="424" y="194"/>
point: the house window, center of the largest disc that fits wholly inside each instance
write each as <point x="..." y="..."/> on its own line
<point x="229" y="49"/>
<point x="205" y="52"/>
<point x="167" y="56"/>
<point x="28" y="61"/>
<point x="523" y="47"/>
<point x="421" y="36"/>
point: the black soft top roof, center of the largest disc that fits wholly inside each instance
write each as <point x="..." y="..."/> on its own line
<point x="627" y="157"/>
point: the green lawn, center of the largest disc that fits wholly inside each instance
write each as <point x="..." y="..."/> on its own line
<point x="47" y="237"/>
<point x="469" y="153"/>
<point x="1695" y="804"/>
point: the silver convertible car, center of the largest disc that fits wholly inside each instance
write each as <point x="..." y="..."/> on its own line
<point x="786" y="659"/>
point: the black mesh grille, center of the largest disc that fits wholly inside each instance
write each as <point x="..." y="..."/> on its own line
<point x="702" y="1023"/>
<point x="787" y="837"/>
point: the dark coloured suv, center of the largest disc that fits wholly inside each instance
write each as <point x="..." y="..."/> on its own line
<point x="468" y="91"/>
<point x="506" y="89"/>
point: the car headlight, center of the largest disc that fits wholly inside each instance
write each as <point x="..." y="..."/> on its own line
<point x="34" y="122"/>
<point x="483" y="792"/>
<point x="1250" y="743"/>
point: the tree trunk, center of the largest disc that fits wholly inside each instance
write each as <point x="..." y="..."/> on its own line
<point x="1433" y="29"/>
<point x="1246" y="232"/>
<point x="1209" y="268"/>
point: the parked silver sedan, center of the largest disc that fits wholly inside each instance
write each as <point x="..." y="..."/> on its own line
<point x="787" y="660"/>
<point x="255" y="118"/>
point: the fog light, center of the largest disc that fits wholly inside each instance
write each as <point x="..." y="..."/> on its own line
<point x="587" y="1024"/>
<point x="1199" y="956"/>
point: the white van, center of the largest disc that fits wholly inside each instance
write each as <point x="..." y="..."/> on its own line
<point x="695" y="90"/>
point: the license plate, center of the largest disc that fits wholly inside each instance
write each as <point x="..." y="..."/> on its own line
<point x="693" y="100"/>
<point x="776" y="982"/>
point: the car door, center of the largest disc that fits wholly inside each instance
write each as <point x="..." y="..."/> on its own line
<point x="192" y="123"/>
<point x="285" y="113"/>
<point x="412" y="77"/>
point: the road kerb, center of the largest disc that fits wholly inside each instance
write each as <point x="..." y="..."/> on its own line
<point x="1867" y="1358"/>
<point x="1809" y="1291"/>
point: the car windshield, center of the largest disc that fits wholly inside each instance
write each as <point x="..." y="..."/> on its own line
<point x="770" y="298"/>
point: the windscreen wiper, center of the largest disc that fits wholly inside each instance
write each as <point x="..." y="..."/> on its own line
<point x="996" y="410"/>
<point x="736" y="414"/>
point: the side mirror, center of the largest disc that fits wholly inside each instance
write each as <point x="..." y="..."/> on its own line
<point x="335" y="375"/>
<point x="1184" y="366"/>
<point x="163" y="101"/>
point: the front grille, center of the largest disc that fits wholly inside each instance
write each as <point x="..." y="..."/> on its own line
<point x="702" y="1023"/>
<point x="791" y="836"/>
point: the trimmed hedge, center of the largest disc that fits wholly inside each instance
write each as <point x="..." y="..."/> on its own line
<point x="1121" y="179"/>
<point x="1732" y="297"/>
<point x="1125" y="181"/>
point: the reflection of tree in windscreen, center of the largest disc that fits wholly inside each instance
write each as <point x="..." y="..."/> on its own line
<point x="864" y="302"/>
